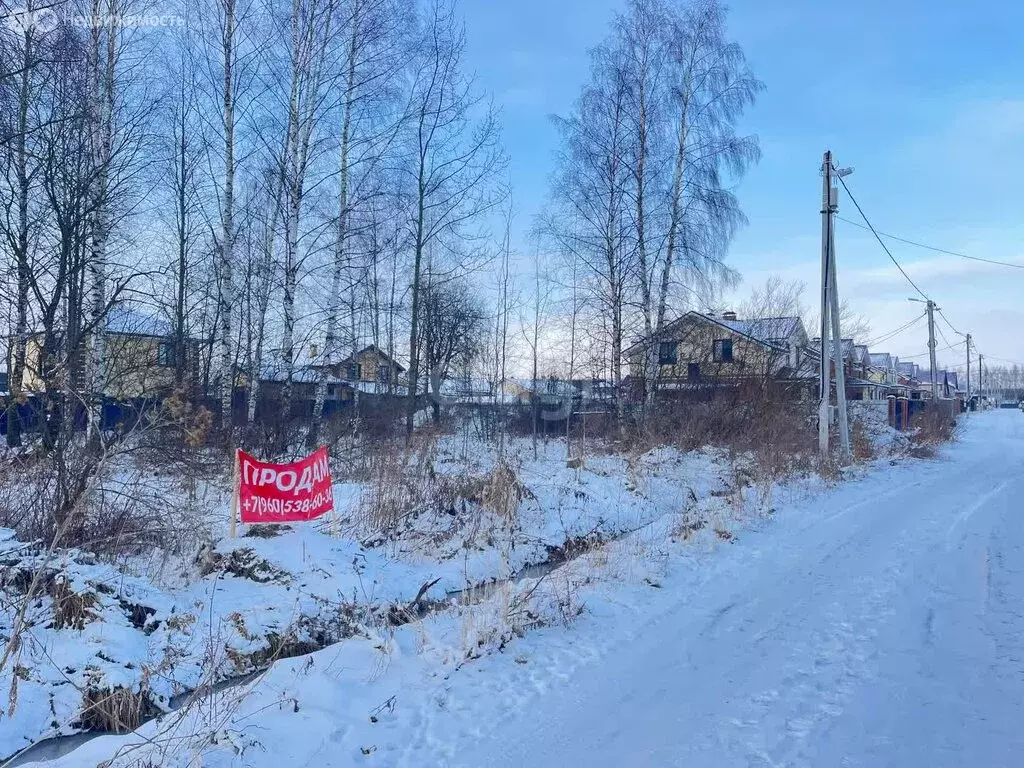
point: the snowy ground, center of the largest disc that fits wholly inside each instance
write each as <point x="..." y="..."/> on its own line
<point x="94" y="628"/>
<point x="878" y="622"/>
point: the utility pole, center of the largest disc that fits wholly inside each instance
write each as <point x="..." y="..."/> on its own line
<point x="968" y="371"/>
<point x="931" y="348"/>
<point x="837" y="339"/>
<point x="826" y="238"/>
<point x="981" y="380"/>
<point x="830" y="318"/>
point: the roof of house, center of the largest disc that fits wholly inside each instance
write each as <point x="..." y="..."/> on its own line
<point x="381" y="354"/>
<point x="125" y="320"/>
<point x="777" y="329"/>
<point x="272" y="369"/>
<point x="881" y="359"/>
<point x="907" y="369"/>
<point x="815" y="347"/>
<point x="769" y="331"/>
<point x="806" y="370"/>
<point x="941" y="377"/>
<point x="456" y="387"/>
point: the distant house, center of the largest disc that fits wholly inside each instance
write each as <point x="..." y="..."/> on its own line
<point x="861" y="361"/>
<point x="305" y="378"/>
<point x="852" y="366"/>
<point x="699" y="351"/>
<point x="370" y="365"/>
<point x="140" y="356"/>
<point x="907" y="373"/>
<point x="868" y="376"/>
<point x="946" y="381"/>
<point x="551" y="391"/>
<point x="918" y="381"/>
<point x="882" y="368"/>
<point x="366" y="372"/>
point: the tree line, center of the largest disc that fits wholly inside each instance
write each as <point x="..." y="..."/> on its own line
<point x="269" y="176"/>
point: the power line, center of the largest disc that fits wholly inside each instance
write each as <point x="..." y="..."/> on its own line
<point x="951" y="326"/>
<point x="932" y="248"/>
<point x="1002" y="360"/>
<point x="944" y="349"/>
<point x="891" y="334"/>
<point x="878" y="236"/>
<point x="879" y="239"/>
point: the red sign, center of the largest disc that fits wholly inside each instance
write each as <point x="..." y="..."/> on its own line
<point x="281" y="493"/>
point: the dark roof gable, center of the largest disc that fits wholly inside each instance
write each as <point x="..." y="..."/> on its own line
<point x="767" y="331"/>
<point x="380" y="354"/>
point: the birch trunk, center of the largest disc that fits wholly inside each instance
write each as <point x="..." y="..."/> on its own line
<point x="675" y="215"/>
<point x="338" y="264"/>
<point x="263" y="299"/>
<point x="227" y="381"/>
<point x="414" y="363"/>
<point x="310" y="29"/>
<point x="641" y="238"/>
<point x="183" y="213"/>
<point x="21" y="256"/>
<point x="102" y="113"/>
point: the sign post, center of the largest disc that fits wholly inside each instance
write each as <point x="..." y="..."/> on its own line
<point x="234" y="495"/>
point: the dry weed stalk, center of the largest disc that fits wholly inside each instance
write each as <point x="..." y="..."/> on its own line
<point x="502" y="493"/>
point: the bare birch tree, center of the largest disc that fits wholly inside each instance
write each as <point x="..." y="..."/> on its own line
<point x="375" y="41"/>
<point x="589" y="215"/>
<point x="102" y="61"/>
<point x="22" y="54"/>
<point x="649" y="156"/>
<point x="711" y="86"/>
<point x="310" y="28"/>
<point x="455" y="159"/>
<point x="183" y="150"/>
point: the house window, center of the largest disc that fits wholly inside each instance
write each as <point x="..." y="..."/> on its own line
<point x="355" y="371"/>
<point x="723" y="350"/>
<point x="668" y="353"/>
<point x="383" y="374"/>
<point x="165" y="353"/>
<point x="693" y="371"/>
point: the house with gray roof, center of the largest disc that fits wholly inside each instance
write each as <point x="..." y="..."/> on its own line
<point x="698" y="352"/>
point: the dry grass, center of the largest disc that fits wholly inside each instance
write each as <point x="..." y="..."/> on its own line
<point x="513" y="609"/>
<point x="502" y="493"/>
<point x="933" y="426"/>
<point x="71" y="610"/>
<point x="403" y="485"/>
<point x="860" y="444"/>
<point x="777" y="433"/>
<point x="243" y="563"/>
<point x="115" y="710"/>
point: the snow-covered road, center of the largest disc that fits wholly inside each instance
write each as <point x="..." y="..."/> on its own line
<point x="885" y="628"/>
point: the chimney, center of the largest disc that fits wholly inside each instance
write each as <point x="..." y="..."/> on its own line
<point x="729" y="315"/>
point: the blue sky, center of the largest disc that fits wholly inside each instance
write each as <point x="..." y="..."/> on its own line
<point x="924" y="99"/>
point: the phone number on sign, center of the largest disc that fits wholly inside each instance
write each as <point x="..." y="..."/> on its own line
<point x="262" y="506"/>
